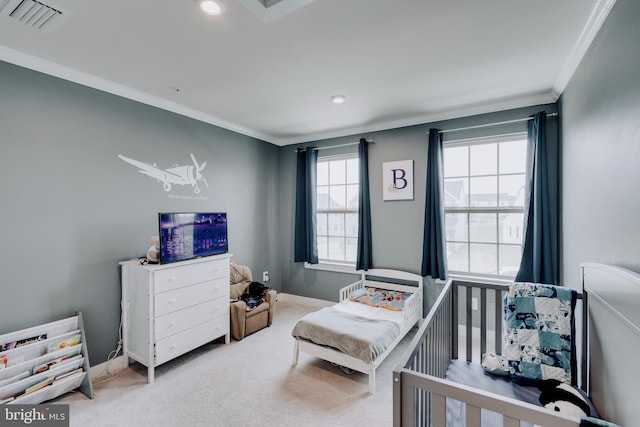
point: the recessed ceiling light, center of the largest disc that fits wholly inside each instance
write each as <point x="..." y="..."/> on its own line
<point x="212" y="7"/>
<point x="338" y="99"/>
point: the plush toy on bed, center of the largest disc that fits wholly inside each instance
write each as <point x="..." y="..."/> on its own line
<point x="563" y="398"/>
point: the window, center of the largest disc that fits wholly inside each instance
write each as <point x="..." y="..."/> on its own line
<point x="484" y="185"/>
<point x="337" y="209"/>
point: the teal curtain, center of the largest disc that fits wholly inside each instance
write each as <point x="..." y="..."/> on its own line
<point x="305" y="240"/>
<point x="434" y="255"/>
<point x="537" y="264"/>
<point x="364" y="257"/>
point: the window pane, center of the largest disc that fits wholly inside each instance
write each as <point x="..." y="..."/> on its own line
<point x="483" y="191"/>
<point x="352" y="197"/>
<point x="352" y="225"/>
<point x="321" y="224"/>
<point x="352" y="171"/>
<point x="458" y="257"/>
<point x="322" y="198"/>
<point x="323" y="173"/>
<point x="512" y="190"/>
<point x="337" y="197"/>
<point x="483" y="228"/>
<point x="483" y="258"/>
<point x="484" y="159"/>
<point x="510" y="256"/>
<point x="351" y="250"/>
<point x="336" y="248"/>
<point x="456" y="161"/>
<point x="336" y="224"/>
<point x="511" y="226"/>
<point x="513" y="156"/>
<point x="322" y="247"/>
<point x="337" y="172"/>
<point x="337" y="190"/>
<point x="455" y="192"/>
<point x="456" y="227"/>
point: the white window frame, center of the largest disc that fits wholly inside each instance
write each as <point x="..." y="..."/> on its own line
<point x="497" y="210"/>
<point x="330" y="264"/>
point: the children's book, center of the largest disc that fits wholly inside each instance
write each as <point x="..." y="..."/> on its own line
<point x="64" y="343"/>
<point x="19" y="343"/>
<point x="46" y="366"/>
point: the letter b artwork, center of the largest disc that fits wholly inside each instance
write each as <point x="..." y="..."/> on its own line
<point x="397" y="180"/>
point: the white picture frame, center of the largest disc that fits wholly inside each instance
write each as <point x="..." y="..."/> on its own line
<point x="397" y="180"/>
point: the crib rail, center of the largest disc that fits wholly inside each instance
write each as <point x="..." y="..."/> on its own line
<point x="430" y="353"/>
<point x="456" y="328"/>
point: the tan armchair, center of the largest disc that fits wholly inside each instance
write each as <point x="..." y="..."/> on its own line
<point x="245" y="322"/>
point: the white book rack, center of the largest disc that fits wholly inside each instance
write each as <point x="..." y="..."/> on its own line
<point x="43" y="362"/>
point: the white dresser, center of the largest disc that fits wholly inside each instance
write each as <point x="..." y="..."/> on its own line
<point x="170" y="309"/>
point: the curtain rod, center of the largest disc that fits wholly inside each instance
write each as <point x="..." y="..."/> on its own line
<point x="525" y="119"/>
<point x="336" y="146"/>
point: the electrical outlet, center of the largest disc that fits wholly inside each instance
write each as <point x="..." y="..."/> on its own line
<point x="265" y="276"/>
<point x="474" y="303"/>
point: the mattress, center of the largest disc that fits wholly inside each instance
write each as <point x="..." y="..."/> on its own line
<point x="472" y="375"/>
<point x="358" y="330"/>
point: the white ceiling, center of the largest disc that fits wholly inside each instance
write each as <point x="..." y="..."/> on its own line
<point x="270" y="73"/>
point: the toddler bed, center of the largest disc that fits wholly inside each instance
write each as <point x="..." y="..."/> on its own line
<point x="432" y="387"/>
<point x="360" y="331"/>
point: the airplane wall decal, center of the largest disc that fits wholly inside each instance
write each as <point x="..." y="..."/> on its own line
<point x="176" y="174"/>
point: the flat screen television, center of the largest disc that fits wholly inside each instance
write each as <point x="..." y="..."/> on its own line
<point x="186" y="236"/>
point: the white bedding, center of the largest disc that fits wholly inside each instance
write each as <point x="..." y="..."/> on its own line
<point x="361" y="332"/>
<point x="375" y="313"/>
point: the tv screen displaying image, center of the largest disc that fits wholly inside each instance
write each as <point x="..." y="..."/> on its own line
<point x="186" y="236"/>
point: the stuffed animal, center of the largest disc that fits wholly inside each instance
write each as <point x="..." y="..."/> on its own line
<point x="153" y="253"/>
<point x="563" y="398"/>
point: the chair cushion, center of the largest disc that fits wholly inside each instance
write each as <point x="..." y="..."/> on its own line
<point x="239" y="279"/>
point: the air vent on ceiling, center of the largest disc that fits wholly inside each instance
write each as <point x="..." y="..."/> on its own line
<point x="269" y="10"/>
<point x="34" y="14"/>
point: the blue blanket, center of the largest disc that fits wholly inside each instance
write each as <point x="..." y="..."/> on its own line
<point x="539" y="329"/>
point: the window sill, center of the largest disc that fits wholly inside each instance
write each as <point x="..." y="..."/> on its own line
<point x="334" y="267"/>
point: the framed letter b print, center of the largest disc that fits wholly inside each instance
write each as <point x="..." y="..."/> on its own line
<point x="397" y="180"/>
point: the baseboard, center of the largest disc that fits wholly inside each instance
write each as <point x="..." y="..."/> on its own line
<point x="108" y="367"/>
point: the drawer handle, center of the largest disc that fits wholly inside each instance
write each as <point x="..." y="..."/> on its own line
<point x="172" y="323"/>
<point x="173" y="347"/>
<point x="172" y="301"/>
<point x="171" y="279"/>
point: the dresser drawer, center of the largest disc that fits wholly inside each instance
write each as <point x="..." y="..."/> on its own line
<point x="187" y="296"/>
<point x="181" y="320"/>
<point x="172" y="278"/>
<point x="180" y="343"/>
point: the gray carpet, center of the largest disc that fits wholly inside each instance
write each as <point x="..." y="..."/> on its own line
<point x="245" y="383"/>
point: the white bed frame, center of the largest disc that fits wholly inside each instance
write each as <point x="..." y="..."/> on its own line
<point x="610" y="300"/>
<point x="412" y="313"/>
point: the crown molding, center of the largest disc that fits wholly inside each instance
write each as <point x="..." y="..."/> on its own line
<point x="85" y="79"/>
<point x="599" y="13"/>
<point x="490" y="107"/>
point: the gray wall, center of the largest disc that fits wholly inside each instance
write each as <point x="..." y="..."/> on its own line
<point x="600" y="122"/>
<point x="397" y="226"/>
<point x="600" y="119"/>
<point x="71" y="209"/>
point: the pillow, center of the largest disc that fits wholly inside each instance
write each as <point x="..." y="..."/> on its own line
<point x="495" y="364"/>
<point x="539" y="326"/>
<point x="383" y="298"/>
